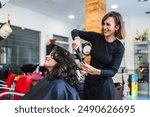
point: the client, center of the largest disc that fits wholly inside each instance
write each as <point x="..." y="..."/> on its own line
<point x="61" y="80"/>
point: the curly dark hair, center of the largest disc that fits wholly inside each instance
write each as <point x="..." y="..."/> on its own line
<point x="65" y="68"/>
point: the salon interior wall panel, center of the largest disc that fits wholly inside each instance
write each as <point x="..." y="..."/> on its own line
<point x="95" y="10"/>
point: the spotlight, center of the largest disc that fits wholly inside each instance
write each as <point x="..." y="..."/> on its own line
<point x="5" y="30"/>
<point x="3" y="2"/>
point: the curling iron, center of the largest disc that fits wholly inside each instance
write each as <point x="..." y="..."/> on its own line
<point x="79" y="54"/>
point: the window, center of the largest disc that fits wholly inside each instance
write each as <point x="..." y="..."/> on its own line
<point x="21" y="47"/>
<point x="62" y="41"/>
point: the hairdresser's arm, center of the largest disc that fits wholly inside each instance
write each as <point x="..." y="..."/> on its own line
<point x="86" y="35"/>
<point x="111" y="71"/>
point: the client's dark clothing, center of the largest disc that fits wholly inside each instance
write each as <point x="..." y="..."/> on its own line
<point x="52" y="90"/>
<point x="107" y="57"/>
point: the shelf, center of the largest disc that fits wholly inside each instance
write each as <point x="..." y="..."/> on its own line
<point x="141" y="42"/>
<point x="141" y="63"/>
<point x="141" y="53"/>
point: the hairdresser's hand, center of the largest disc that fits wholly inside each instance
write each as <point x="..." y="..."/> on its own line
<point x="76" y="43"/>
<point x="90" y="69"/>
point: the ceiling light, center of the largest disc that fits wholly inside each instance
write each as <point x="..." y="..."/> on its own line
<point x="142" y="0"/>
<point x="71" y="16"/>
<point x="22" y="28"/>
<point x="114" y="6"/>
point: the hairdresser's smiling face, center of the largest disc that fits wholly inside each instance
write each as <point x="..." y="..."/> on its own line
<point x="50" y="62"/>
<point x="109" y="27"/>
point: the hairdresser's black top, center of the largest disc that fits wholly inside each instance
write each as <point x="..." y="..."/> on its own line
<point x="52" y="90"/>
<point x="105" y="56"/>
